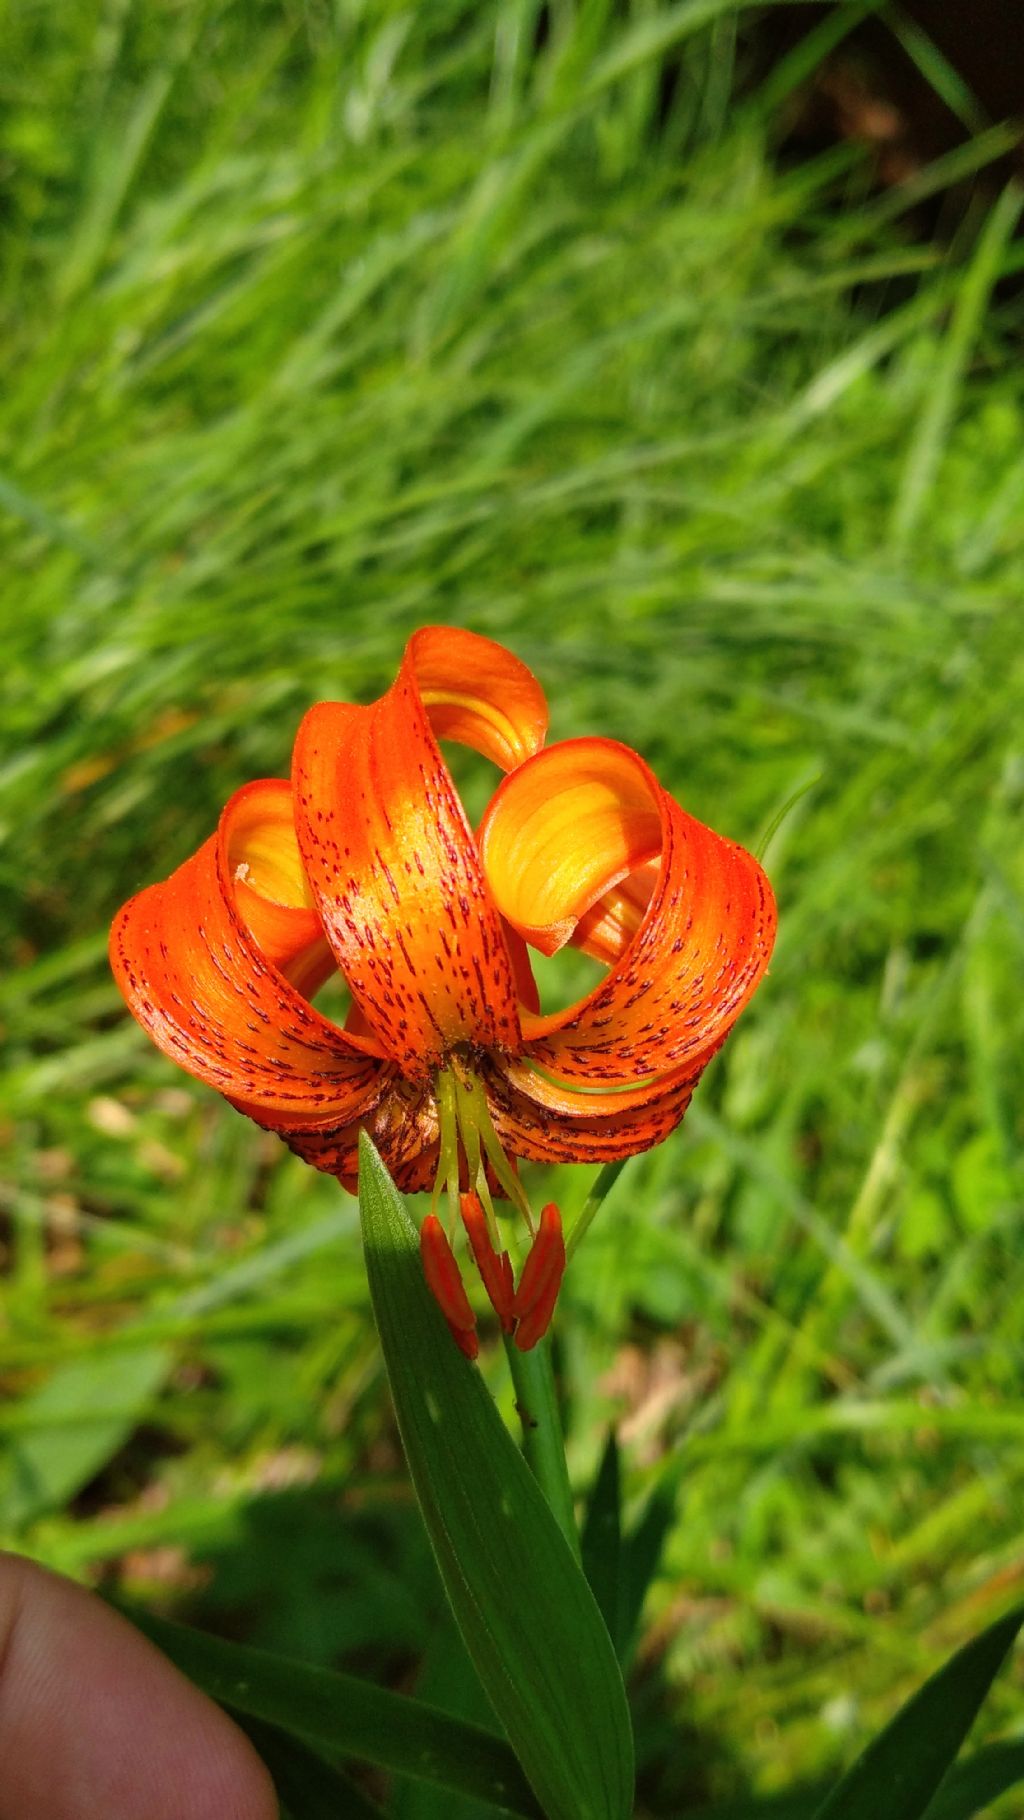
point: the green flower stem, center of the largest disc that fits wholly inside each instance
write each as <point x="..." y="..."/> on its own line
<point x="608" y="1176"/>
<point x="543" y="1445"/>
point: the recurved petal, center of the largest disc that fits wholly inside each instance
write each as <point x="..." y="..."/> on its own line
<point x="271" y="889"/>
<point x="522" y="970"/>
<point x="198" y="980"/>
<point x="539" y="1120"/>
<point x="702" y="942"/>
<point x="397" y="879"/>
<point x="479" y="694"/>
<point x="403" y="1125"/>
<point x="607" y="928"/>
<point x="563" y="830"/>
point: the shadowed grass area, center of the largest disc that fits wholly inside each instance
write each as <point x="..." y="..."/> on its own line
<point x="321" y="322"/>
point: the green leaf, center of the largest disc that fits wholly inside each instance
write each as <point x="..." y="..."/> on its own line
<point x="58" y="1438"/>
<point x="966" y="1793"/>
<point x="448" y="1679"/>
<point x="901" y="1769"/>
<point x="307" y="1787"/>
<point x="972" y="1786"/>
<point x="620" y="1566"/>
<point x="601" y="1541"/>
<point x="643" y="1550"/>
<point x="526" y="1613"/>
<point x="346" y="1716"/>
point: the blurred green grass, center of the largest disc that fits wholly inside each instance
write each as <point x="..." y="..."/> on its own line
<point x="321" y="322"/>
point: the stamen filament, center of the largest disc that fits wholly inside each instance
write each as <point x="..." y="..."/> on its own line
<point x="467" y="1109"/>
<point x="466" y="1130"/>
<point x="447" y="1177"/>
<point x="477" y="1106"/>
<point x="483" y="1189"/>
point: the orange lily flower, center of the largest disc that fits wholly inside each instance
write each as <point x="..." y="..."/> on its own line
<point x="365" y="863"/>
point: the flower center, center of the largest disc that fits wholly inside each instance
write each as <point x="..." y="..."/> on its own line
<point x="471" y="1151"/>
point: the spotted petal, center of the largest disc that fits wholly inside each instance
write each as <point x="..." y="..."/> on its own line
<point x="391" y="859"/>
<point x="271" y="889"/>
<point x="403" y="1125"/>
<point x="546" y="1122"/>
<point x="561" y="835"/>
<point x="197" y="976"/>
<point x="479" y="694"/>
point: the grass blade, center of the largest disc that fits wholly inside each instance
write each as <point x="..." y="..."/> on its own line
<point x="601" y="1541"/>
<point x="902" y="1768"/>
<point x="972" y="1786"/>
<point x="69" y="1428"/>
<point x="933" y="428"/>
<point x="644" y="1546"/>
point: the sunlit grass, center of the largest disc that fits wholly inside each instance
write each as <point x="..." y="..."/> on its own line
<point x="318" y="328"/>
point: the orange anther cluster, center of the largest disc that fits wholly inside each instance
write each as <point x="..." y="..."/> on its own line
<point x="446" y="1285"/>
<point x="495" y="1268"/>
<point x="541" y="1280"/>
<point x="525" y="1312"/>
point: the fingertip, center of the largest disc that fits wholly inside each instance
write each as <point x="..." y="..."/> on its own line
<point x="94" y="1719"/>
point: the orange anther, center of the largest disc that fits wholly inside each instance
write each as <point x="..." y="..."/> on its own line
<point x="495" y="1267"/>
<point x="446" y="1285"/>
<point x="541" y="1280"/>
<point x="465" y="1339"/>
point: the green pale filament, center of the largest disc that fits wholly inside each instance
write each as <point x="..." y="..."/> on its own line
<point x="465" y="1125"/>
<point x="478" y="1109"/>
<point x="447" y="1177"/>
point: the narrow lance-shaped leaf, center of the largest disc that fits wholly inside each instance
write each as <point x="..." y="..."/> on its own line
<point x="966" y="1793"/>
<point x="525" y="1611"/>
<point x="346" y="1716"/>
<point x="601" y="1540"/>
<point x="901" y="1769"/>
<point x="620" y="1564"/>
<point x="307" y="1787"/>
<point x="70" y="1428"/>
<point x="972" y="1786"/>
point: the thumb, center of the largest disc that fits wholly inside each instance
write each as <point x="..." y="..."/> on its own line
<point x="94" y="1720"/>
